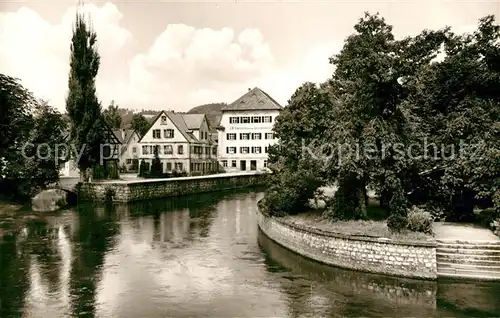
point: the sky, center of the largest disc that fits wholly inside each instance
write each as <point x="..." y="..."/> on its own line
<point x="174" y="55"/>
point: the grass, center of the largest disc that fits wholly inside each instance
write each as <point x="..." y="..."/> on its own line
<point x="375" y="227"/>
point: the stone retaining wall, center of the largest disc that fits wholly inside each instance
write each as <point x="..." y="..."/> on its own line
<point x="136" y="190"/>
<point x="375" y="255"/>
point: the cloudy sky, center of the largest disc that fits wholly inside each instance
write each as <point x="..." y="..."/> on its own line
<point x="176" y="55"/>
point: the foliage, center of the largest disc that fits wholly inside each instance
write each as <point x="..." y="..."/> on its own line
<point x="140" y="124"/>
<point x="420" y="220"/>
<point x="290" y="190"/>
<point x="143" y="169"/>
<point x="82" y="105"/>
<point x="397" y="219"/>
<point x="348" y="202"/>
<point x="30" y="131"/>
<point x="135" y="165"/>
<point x="156" y="165"/>
<point x="109" y="194"/>
<point x="112" y="116"/>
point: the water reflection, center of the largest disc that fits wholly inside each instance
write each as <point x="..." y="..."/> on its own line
<point x="198" y="256"/>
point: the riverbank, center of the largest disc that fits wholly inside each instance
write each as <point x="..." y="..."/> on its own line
<point x="147" y="189"/>
<point x="367" y="253"/>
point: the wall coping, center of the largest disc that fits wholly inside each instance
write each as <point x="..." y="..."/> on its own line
<point x="160" y="180"/>
<point x="364" y="238"/>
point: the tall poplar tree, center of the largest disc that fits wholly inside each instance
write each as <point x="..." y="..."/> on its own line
<point x="84" y="109"/>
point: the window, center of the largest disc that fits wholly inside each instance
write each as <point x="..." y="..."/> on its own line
<point x="265" y="163"/>
<point x="178" y="166"/>
<point x="269" y="136"/>
<point x="168" y="133"/>
<point x="245" y="120"/>
<point x="169" y="166"/>
<point x="244" y="149"/>
<point x="231" y="150"/>
<point x="267" y="119"/>
<point x="129" y="161"/>
<point x="234" y="120"/>
<point x="256" y="135"/>
<point x="167" y="149"/>
<point x="224" y="163"/>
<point x="206" y="135"/>
<point x="256" y="119"/>
<point x="207" y="150"/>
<point x="256" y="149"/>
<point x="244" y="136"/>
<point x="233" y="163"/>
<point x="145" y="150"/>
<point x="231" y="136"/>
<point x="156" y="134"/>
<point x="265" y="149"/>
<point x="163" y="120"/>
<point x="180" y="149"/>
<point x="214" y="151"/>
<point x="134" y="149"/>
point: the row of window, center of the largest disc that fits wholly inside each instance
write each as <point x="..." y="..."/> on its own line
<point x="169" y="134"/>
<point x="246" y="150"/>
<point x="249" y="136"/>
<point x="169" y="150"/>
<point x="250" y="120"/>
<point x="234" y="163"/>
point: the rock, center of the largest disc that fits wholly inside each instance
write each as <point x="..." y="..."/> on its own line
<point x="49" y="200"/>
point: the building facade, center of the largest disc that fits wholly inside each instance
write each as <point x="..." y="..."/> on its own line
<point x="184" y="143"/>
<point x="246" y="131"/>
<point x="129" y="150"/>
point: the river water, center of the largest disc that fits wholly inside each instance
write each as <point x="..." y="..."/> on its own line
<point x="200" y="256"/>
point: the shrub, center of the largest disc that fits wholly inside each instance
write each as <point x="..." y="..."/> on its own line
<point x="397" y="219"/>
<point x="156" y="166"/>
<point x="144" y="169"/>
<point x="420" y="220"/>
<point x="109" y="194"/>
<point x="495" y="226"/>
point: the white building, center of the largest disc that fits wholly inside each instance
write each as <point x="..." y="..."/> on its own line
<point x="184" y="143"/>
<point x="129" y="150"/>
<point x="246" y="131"/>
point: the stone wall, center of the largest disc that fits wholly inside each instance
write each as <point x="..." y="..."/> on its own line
<point x="136" y="190"/>
<point x="382" y="256"/>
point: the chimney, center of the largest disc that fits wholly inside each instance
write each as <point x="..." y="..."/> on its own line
<point x="123" y="133"/>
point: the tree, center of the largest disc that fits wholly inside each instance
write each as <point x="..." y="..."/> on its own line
<point x="31" y="131"/>
<point x="82" y="105"/>
<point x="156" y="166"/>
<point x="140" y="124"/>
<point x="460" y="101"/>
<point x="112" y="116"/>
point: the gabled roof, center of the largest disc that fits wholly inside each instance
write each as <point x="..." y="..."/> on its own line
<point x="254" y="99"/>
<point x="193" y="121"/>
<point x="179" y="122"/>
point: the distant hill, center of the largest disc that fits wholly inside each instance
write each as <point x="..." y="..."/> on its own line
<point x="212" y="111"/>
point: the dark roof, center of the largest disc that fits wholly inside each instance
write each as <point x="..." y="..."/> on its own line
<point x="254" y="99"/>
<point x="193" y="121"/>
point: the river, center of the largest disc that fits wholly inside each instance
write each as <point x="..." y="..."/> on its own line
<point x="200" y="256"/>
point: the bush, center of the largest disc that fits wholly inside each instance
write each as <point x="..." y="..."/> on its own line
<point x="420" y="220"/>
<point x="156" y="166"/>
<point x="397" y="219"/>
<point x="196" y="173"/>
<point x="290" y="190"/>
<point x="109" y="194"/>
<point x="144" y="169"/>
<point x="495" y="226"/>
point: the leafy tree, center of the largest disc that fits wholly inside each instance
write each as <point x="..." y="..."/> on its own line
<point x="29" y="158"/>
<point x="156" y="166"/>
<point x="82" y="105"/>
<point x="143" y="169"/>
<point x="460" y="101"/>
<point x="140" y="124"/>
<point x="112" y="116"/>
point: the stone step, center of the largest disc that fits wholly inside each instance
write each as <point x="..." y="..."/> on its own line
<point x="468" y="273"/>
<point x="483" y="246"/>
<point x="467" y="251"/>
<point x="488" y="268"/>
<point x="466" y="256"/>
<point x="476" y="260"/>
